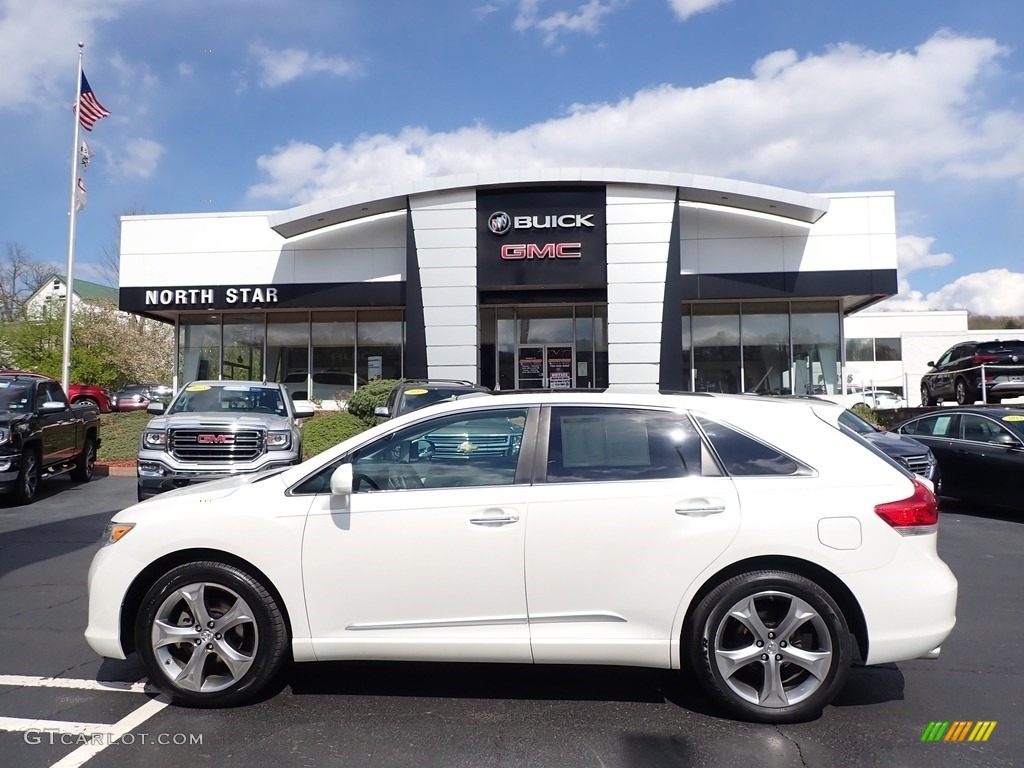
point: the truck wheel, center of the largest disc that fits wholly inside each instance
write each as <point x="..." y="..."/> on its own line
<point x="28" y="478"/>
<point x="210" y="635"/>
<point x="82" y="473"/>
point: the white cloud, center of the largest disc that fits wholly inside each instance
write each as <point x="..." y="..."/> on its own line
<point x="841" y="118"/>
<point x="287" y="64"/>
<point x="995" y="292"/>
<point x="684" y="9"/>
<point x="138" y="157"/>
<point x="586" y="18"/>
<point x="186" y="70"/>
<point x="39" y="42"/>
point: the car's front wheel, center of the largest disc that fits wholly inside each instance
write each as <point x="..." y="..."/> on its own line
<point x="770" y="646"/>
<point x="926" y="396"/>
<point x="210" y="635"/>
<point x="27" y="484"/>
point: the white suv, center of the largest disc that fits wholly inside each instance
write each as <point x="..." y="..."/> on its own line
<point x="749" y="539"/>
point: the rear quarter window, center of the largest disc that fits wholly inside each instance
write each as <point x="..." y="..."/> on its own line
<point x="745" y="456"/>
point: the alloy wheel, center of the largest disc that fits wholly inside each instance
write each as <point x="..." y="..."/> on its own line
<point x="205" y="637"/>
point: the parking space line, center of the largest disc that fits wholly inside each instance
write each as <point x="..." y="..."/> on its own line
<point x="32" y="681"/>
<point x="127" y="723"/>
<point x="56" y="726"/>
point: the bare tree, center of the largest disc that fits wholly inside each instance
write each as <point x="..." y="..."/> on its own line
<point x="109" y="265"/>
<point x="20" y="277"/>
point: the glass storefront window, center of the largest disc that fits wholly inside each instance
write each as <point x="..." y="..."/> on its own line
<point x="765" y="329"/>
<point x="379" y="341"/>
<point x="583" y="376"/>
<point x="888" y="349"/>
<point x="288" y="352"/>
<point x="859" y="351"/>
<point x="716" y="347"/>
<point x="198" y="348"/>
<point x="506" y="343"/>
<point x="333" y="339"/>
<point x="242" y="358"/>
<point x="815" y="348"/>
<point x="687" y="351"/>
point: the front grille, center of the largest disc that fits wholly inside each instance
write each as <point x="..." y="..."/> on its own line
<point x="216" y="446"/>
<point x="919" y="465"/>
<point x="447" y="446"/>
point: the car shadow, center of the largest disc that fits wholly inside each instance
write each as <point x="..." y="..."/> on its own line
<point x="46" y="541"/>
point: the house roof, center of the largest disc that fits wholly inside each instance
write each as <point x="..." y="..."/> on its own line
<point x="91" y="291"/>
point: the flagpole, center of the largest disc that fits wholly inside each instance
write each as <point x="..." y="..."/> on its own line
<point x="65" y="367"/>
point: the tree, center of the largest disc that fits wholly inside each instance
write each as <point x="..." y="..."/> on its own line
<point x="109" y="265"/>
<point x="20" y="277"/>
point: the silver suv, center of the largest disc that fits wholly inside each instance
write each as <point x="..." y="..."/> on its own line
<point x="215" y="429"/>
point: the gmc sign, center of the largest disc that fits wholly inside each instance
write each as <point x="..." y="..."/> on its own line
<point x="516" y="251"/>
<point x="215" y="439"/>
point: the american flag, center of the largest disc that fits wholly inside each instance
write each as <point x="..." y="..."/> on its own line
<point x="89" y="110"/>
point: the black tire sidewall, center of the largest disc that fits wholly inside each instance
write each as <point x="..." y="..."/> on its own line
<point x="713" y="610"/>
<point x="22" y="493"/>
<point x="272" y="641"/>
<point x="82" y="473"/>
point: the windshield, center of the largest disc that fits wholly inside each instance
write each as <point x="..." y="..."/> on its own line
<point x="856" y="423"/>
<point x="229" y="399"/>
<point x="15" y="397"/>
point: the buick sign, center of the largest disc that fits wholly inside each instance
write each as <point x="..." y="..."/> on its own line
<point x="499" y="223"/>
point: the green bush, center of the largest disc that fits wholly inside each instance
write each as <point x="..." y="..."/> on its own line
<point x="866" y="413"/>
<point x="327" y="430"/>
<point x="120" y="434"/>
<point x="368" y="397"/>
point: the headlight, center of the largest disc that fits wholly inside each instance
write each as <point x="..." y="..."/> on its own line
<point x="279" y="440"/>
<point x="154" y="439"/>
<point x="114" y="532"/>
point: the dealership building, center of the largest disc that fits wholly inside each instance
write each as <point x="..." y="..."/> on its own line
<point x="558" y="278"/>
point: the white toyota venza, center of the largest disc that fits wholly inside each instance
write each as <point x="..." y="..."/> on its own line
<point x="751" y="540"/>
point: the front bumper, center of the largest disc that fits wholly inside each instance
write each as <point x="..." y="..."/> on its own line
<point x="10" y="467"/>
<point x="157" y="475"/>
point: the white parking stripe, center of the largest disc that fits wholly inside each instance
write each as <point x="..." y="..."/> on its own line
<point x="133" y="720"/>
<point x="30" y="681"/>
<point x="56" y="726"/>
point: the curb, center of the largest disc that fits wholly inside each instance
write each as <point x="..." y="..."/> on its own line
<point x="104" y="470"/>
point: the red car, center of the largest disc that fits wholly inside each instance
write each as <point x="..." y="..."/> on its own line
<point x="81" y="393"/>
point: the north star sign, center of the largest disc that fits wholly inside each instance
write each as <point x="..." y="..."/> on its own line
<point x="201" y="297"/>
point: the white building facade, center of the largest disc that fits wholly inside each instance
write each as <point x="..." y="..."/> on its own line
<point x="559" y="278"/>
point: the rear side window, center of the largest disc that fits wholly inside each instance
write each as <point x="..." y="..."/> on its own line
<point x="931" y="426"/>
<point x="592" y="444"/>
<point x="744" y="456"/>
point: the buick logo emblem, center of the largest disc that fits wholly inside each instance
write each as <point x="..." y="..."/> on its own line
<point x="499" y="223"/>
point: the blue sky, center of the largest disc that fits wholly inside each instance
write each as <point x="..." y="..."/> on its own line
<point x="230" y="105"/>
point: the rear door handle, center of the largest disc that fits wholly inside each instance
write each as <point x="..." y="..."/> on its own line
<point x="700" y="508"/>
<point x="495" y="520"/>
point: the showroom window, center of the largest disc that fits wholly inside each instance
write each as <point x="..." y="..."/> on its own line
<point x="198" y="347"/>
<point x="716" y="347"/>
<point x="242" y="358"/>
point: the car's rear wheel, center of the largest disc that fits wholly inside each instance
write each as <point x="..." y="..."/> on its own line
<point x="926" y="396"/>
<point x="964" y="393"/>
<point x="87" y="401"/>
<point x="84" y="463"/>
<point x="770" y="646"/>
<point x="210" y="635"/>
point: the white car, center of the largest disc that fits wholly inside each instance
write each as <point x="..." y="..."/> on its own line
<point x="750" y="539"/>
<point x="881" y="399"/>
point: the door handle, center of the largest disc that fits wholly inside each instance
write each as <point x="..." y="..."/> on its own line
<point x="496" y="520"/>
<point x="700" y="508"/>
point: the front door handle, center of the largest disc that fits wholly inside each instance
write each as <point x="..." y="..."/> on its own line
<point x="496" y="520"/>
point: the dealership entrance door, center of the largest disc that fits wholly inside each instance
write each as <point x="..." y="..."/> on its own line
<point x="544" y="346"/>
<point x="544" y="367"/>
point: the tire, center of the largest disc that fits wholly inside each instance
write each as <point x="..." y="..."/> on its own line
<point x="138" y="490"/>
<point x="964" y="395"/>
<point x="760" y="671"/>
<point x="27" y="485"/>
<point x="926" y="397"/>
<point x="87" y="401"/>
<point x="82" y="473"/>
<point x="177" y="638"/>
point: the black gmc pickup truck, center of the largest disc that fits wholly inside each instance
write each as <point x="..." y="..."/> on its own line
<point x="42" y="435"/>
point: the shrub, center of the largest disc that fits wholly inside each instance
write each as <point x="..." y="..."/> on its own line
<point x="327" y="430"/>
<point x="368" y="397"/>
<point x="120" y="434"/>
<point x="866" y="413"/>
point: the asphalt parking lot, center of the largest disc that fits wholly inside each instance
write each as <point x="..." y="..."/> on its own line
<point x="59" y="703"/>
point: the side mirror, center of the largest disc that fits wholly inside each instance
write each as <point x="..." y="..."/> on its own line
<point x="341" y="480"/>
<point x="930" y="363"/>
<point x="303" y="411"/>
<point x="381" y="410"/>
<point x="1004" y="439"/>
<point x="155" y="408"/>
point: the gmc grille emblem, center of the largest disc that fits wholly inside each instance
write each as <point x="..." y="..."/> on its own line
<point x="215" y="439"/>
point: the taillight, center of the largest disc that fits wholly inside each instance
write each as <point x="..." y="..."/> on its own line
<point x="914" y="515"/>
<point x="979" y="359"/>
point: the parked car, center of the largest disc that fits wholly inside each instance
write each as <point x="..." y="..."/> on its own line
<point x="914" y="455"/>
<point x="980" y="452"/>
<point x="90" y="394"/>
<point x="133" y="397"/>
<point x="411" y="394"/>
<point x="42" y="435"/>
<point x="215" y="429"/>
<point x="957" y="375"/>
<point x="747" y="538"/>
<point x="881" y="399"/>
